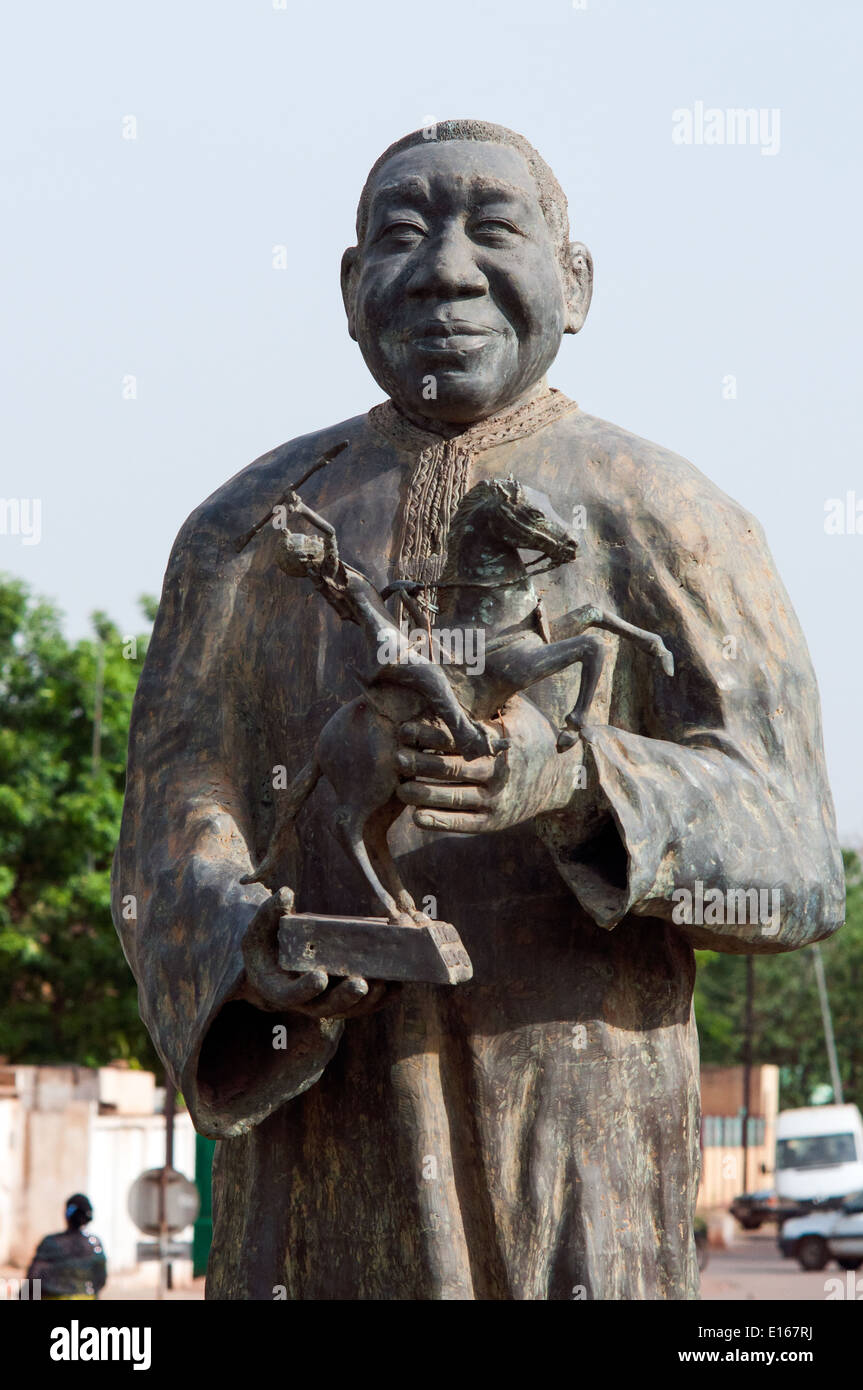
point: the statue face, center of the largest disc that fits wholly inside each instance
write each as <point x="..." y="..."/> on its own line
<point x="457" y="297"/>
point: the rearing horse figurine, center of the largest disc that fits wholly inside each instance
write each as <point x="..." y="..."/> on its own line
<point x="485" y="585"/>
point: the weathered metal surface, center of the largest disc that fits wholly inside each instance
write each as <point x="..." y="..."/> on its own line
<point x="532" y="1133"/>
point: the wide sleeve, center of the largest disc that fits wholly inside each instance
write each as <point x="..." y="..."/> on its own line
<point x="178" y="905"/>
<point x="719" y="817"/>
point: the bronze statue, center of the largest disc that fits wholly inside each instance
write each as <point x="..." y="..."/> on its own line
<point x="530" y="1132"/>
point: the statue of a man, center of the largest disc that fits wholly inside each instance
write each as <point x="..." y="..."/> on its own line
<point x="532" y="1134"/>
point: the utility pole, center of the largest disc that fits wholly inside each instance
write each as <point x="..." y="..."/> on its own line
<point x="96" y="748"/>
<point x="98" y="700"/>
<point x="166" y="1280"/>
<point x="835" y="1078"/>
<point x="747" y="1065"/>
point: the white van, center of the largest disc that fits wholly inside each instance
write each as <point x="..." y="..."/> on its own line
<point x="819" y="1152"/>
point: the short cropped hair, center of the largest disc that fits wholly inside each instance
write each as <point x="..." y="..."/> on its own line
<point x="552" y="198"/>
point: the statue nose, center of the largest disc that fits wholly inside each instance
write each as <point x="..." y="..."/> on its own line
<point x="447" y="269"/>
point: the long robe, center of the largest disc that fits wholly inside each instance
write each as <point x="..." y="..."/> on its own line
<point x="532" y="1134"/>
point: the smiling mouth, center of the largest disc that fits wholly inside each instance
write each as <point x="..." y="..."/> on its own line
<point x="451" y="335"/>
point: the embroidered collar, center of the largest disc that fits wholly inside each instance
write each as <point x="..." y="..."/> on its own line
<point x="513" y="423"/>
<point x="441" y="474"/>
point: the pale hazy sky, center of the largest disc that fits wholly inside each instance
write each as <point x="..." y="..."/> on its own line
<point x="255" y="126"/>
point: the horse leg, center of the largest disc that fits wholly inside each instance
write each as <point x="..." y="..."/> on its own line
<point x="377" y="826"/>
<point x="649" y="642"/>
<point x="289" y="806"/>
<point x="593" y="656"/>
<point x="517" y="667"/>
<point x="350" y="824"/>
<point x="432" y="683"/>
<point x="522" y="668"/>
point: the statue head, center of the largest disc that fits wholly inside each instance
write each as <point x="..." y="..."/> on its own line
<point x="463" y="280"/>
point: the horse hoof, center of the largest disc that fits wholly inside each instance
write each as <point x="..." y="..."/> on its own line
<point x="666" y="660"/>
<point x="566" y="739"/>
<point x="478" y="744"/>
<point x="422" y="919"/>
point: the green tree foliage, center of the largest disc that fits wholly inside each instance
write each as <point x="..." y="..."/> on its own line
<point x="787" y="1016"/>
<point x="66" y="993"/>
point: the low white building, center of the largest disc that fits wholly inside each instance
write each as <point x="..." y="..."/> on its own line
<point x="72" y="1129"/>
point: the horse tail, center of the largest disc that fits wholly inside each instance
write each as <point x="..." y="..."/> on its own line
<point x="289" y="806"/>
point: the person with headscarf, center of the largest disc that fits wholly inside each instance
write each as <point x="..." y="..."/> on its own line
<point x="70" y="1264"/>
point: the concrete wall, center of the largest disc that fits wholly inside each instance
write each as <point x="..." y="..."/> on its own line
<point x="10" y="1124"/>
<point x="722" y="1175"/>
<point x="121" y="1148"/>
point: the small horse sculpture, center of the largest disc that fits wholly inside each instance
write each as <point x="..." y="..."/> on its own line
<point x="486" y="585"/>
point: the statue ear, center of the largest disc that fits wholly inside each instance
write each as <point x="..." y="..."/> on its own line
<point x="578" y="279"/>
<point x="350" y="268"/>
<point x="515" y="489"/>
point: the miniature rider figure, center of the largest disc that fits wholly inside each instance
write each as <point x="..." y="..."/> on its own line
<point x="356" y="600"/>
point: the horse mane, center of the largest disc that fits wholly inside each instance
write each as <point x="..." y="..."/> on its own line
<point x="481" y="498"/>
<point x="490" y="490"/>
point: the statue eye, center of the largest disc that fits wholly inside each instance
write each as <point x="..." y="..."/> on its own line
<point x="402" y="233"/>
<point x="496" y="229"/>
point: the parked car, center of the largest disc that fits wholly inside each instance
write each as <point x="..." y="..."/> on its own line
<point x="813" y="1240"/>
<point x="754" y="1209"/>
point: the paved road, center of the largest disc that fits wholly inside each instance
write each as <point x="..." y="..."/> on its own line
<point x="753" y="1269"/>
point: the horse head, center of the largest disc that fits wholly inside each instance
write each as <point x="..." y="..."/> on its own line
<point x="519" y="517"/>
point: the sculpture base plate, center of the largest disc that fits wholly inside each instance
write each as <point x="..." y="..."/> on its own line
<point x="373" y="948"/>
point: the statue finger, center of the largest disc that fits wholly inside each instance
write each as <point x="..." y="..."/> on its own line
<point x="461" y="798"/>
<point x="304" y="987"/>
<point x="445" y="769"/>
<point x="270" y="911"/>
<point x="378" y="990"/>
<point x="280" y="992"/>
<point x="457" y="822"/>
<point x="259" y="942"/>
<point x="345" y="994"/>
<point x="424" y="734"/>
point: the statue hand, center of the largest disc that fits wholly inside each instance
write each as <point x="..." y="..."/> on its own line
<point x="489" y="793"/>
<point x="308" y="993"/>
